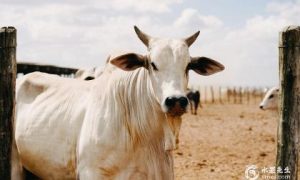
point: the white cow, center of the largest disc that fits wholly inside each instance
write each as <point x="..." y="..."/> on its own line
<point x="89" y="74"/>
<point x="270" y="100"/>
<point x="85" y="74"/>
<point x="118" y="126"/>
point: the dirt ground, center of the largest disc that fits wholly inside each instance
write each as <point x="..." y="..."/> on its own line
<point x="222" y="140"/>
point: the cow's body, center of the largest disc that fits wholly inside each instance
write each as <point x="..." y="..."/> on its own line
<point x="194" y="98"/>
<point x="50" y="113"/>
<point x="121" y="125"/>
<point x="79" y="122"/>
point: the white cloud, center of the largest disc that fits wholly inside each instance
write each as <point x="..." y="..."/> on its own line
<point x="155" y="6"/>
<point x="82" y="35"/>
<point x="191" y="18"/>
<point x="69" y="35"/>
<point x="143" y="5"/>
<point x="250" y="52"/>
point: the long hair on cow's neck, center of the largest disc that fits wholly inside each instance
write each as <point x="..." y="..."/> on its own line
<point x="131" y="114"/>
<point x="141" y="111"/>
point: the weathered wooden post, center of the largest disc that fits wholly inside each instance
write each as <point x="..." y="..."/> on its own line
<point x="212" y="95"/>
<point x="288" y="130"/>
<point x="262" y="94"/>
<point x="228" y="94"/>
<point x="248" y="95"/>
<point x="240" y="95"/>
<point x="205" y="95"/>
<point x="254" y="92"/>
<point x="201" y="97"/>
<point x="234" y="95"/>
<point x="220" y="95"/>
<point x="8" y="71"/>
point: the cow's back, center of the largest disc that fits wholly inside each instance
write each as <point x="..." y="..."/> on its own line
<point x="50" y="111"/>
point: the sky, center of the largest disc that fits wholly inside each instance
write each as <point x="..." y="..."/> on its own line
<point x="242" y="35"/>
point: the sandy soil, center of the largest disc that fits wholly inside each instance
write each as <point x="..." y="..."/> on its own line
<point x="222" y="140"/>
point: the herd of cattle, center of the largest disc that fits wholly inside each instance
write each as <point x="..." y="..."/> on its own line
<point x="120" y="121"/>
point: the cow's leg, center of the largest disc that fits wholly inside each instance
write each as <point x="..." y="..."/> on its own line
<point x="192" y="107"/>
<point x="17" y="172"/>
<point x="196" y="107"/>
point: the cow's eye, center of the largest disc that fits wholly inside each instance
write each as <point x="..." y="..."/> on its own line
<point x="154" y="66"/>
<point x="271" y="96"/>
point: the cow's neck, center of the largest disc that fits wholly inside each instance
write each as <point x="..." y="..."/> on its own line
<point x="135" y="119"/>
<point x="141" y="112"/>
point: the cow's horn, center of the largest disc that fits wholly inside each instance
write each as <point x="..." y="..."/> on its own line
<point x="190" y="40"/>
<point x="142" y="36"/>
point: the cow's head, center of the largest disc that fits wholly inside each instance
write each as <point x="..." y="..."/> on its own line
<point x="270" y="100"/>
<point x="85" y="74"/>
<point x="168" y="63"/>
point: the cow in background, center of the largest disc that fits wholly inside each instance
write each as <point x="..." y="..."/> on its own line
<point x="89" y="74"/>
<point x="270" y="100"/>
<point x="85" y="74"/>
<point x="194" y="99"/>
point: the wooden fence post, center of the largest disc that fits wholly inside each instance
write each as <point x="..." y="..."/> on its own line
<point x="248" y="95"/>
<point x="262" y="94"/>
<point x="240" y="95"/>
<point x="228" y="94"/>
<point x="212" y="95"/>
<point x="201" y="97"/>
<point x="254" y="94"/>
<point x="234" y="95"/>
<point x="8" y="71"/>
<point x="205" y="95"/>
<point x="288" y="130"/>
<point x="220" y="95"/>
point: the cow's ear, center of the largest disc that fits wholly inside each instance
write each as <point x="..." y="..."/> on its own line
<point x="129" y="61"/>
<point x="205" y="66"/>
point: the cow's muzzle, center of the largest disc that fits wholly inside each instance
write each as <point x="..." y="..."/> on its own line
<point x="176" y="106"/>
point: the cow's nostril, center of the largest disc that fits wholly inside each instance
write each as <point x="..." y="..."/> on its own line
<point x="183" y="102"/>
<point x="170" y="102"/>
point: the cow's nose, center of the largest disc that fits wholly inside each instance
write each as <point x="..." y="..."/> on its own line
<point x="261" y="107"/>
<point x="171" y="101"/>
<point x="183" y="101"/>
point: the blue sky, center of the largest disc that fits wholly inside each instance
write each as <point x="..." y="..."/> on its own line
<point x="243" y="35"/>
